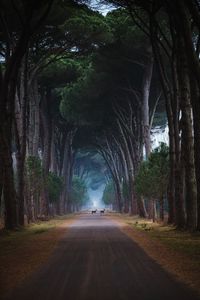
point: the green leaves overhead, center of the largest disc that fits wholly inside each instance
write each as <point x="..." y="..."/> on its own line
<point x="80" y="101"/>
<point x="124" y="31"/>
<point x="60" y="73"/>
<point x="110" y="71"/>
<point x="88" y="30"/>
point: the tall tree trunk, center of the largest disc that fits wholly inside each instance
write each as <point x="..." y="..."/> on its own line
<point x="145" y="103"/>
<point x="67" y="172"/>
<point x="7" y="96"/>
<point x="161" y="200"/>
<point x="167" y="91"/>
<point x="46" y="156"/>
<point x="178" y="161"/>
<point x="9" y="193"/>
<point x="34" y="117"/>
<point x="20" y="129"/>
<point x="53" y="164"/>
<point x="188" y="141"/>
<point x="36" y="99"/>
<point x="1" y="186"/>
<point x="195" y="96"/>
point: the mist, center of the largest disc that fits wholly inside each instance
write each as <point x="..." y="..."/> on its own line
<point x="95" y="197"/>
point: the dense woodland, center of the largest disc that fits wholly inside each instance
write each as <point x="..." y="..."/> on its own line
<point x="80" y="92"/>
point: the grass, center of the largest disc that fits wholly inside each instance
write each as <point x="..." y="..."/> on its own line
<point x="176" y="251"/>
<point x="183" y="241"/>
<point x="11" y="239"/>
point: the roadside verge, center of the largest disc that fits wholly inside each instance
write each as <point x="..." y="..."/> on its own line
<point x="177" y="252"/>
<point x="22" y="252"/>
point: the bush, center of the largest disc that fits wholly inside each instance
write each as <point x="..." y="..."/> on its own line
<point x="109" y="194"/>
<point x="152" y="178"/>
<point x="55" y="185"/>
<point x="79" y="194"/>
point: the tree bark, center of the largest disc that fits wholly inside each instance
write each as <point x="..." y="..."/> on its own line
<point x="188" y="140"/>
<point x="20" y="129"/>
<point x="161" y="200"/>
<point x="195" y="96"/>
<point x="46" y="156"/>
<point x="145" y="103"/>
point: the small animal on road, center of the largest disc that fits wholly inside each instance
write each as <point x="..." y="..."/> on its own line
<point x="94" y="211"/>
<point x="102" y="211"/>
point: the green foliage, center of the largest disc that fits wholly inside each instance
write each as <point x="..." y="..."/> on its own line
<point x="109" y="72"/>
<point x="109" y="194"/>
<point x="60" y="73"/>
<point x="34" y="176"/>
<point x="79" y="194"/>
<point x="123" y="29"/>
<point x="152" y="178"/>
<point x="55" y="185"/>
<point x="160" y="119"/>
<point x="34" y="167"/>
<point x="80" y="100"/>
<point x="125" y="190"/>
<point x="88" y="29"/>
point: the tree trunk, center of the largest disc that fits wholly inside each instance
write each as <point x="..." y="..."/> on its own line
<point x="145" y="103"/>
<point x="20" y="129"/>
<point x="1" y="186"/>
<point x="188" y="141"/>
<point x="9" y="193"/>
<point x="142" y="208"/>
<point x="46" y="156"/>
<point x="34" y="118"/>
<point x="53" y="165"/>
<point x="175" y="188"/>
<point x="195" y="96"/>
<point x="161" y="200"/>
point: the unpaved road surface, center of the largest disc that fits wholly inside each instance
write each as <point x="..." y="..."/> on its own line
<point x="96" y="261"/>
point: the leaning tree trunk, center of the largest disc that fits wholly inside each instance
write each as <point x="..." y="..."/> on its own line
<point x="108" y="156"/>
<point x="125" y="177"/>
<point x="130" y="166"/>
<point x="67" y="172"/>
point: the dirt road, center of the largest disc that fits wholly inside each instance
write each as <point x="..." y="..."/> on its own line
<point x="96" y="261"/>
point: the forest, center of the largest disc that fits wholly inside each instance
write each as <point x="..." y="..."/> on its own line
<point x="82" y="85"/>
